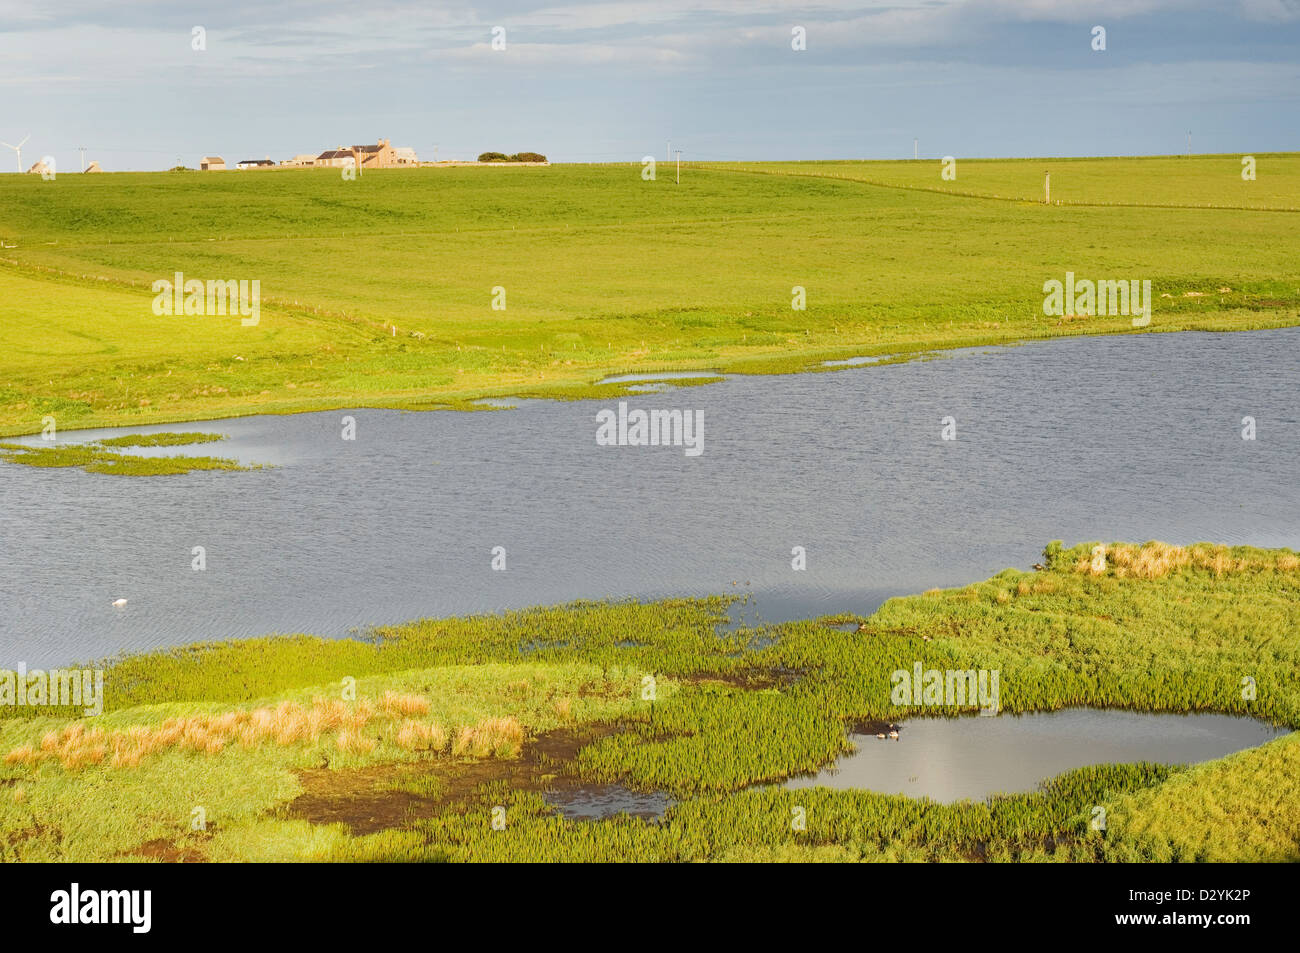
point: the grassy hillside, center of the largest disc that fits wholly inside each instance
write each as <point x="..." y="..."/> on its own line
<point x="453" y="719"/>
<point x="1156" y="181"/>
<point x="379" y="291"/>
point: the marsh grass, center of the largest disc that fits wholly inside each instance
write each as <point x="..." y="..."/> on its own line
<point x="160" y="439"/>
<point x="1162" y="628"/>
<point x="94" y="459"/>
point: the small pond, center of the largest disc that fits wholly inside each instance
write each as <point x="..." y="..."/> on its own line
<point x="948" y="759"/>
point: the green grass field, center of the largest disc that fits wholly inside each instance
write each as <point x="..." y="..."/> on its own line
<point x="452" y="712"/>
<point x="378" y="292"/>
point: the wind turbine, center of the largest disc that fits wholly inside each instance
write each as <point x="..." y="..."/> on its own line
<point x="18" y="150"/>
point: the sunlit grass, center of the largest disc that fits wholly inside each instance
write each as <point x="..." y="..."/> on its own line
<point x="380" y="293"/>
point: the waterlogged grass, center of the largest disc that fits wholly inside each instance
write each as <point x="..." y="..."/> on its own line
<point x="160" y="439"/>
<point x="96" y="459"/>
<point x="380" y="292"/>
<point x="715" y="719"/>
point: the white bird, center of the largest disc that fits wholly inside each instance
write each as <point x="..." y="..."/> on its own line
<point x="119" y="602"/>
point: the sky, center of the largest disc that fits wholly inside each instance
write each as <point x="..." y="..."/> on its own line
<point x="615" y="81"/>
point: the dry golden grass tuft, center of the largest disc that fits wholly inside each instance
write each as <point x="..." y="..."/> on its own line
<point x="395" y="704"/>
<point x="497" y="737"/>
<point x="421" y="736"/>
<point x="287" y="723"/>
<point x="1153" y="560"/>
<point x="354" y="741"/>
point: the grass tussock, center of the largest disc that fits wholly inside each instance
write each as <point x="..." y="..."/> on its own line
<point x="494" y="737"/>
<point x="1155" y="560"/>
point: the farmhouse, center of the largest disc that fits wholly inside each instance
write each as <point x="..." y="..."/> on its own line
<point x="256" y="164"/>
<point x="378" y="156"/>
<point x="381" y="155"/>
<point x="336" y="157"/>
<point x="41" y="168"/>
<point x="302" y="160"/>
<point x="212" y="163"/>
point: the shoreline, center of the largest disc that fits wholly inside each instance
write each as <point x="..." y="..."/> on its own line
<point x="776" y="364"/>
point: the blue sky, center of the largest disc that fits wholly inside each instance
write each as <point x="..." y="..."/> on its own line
<point x="610" y="81"/>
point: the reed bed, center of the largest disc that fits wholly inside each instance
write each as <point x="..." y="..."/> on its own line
<point x="354" y="727"/>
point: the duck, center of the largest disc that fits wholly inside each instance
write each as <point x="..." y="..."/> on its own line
<point x="893" y="733"/>
<point x="881" y="736"/>
<point x="119" y="603"/>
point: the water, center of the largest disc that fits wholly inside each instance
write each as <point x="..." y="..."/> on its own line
<point x="600" y="801"/>
<point x="1132" y="438"/>
<point x="948" y="759"/>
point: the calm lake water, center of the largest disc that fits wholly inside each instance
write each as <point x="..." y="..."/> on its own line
<point x="948" y="759"/>
<point x="1132" y="438"/>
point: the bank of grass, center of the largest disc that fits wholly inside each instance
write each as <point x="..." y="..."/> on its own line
<point x="94" y="458"/>
<point x="1150" y="627"/>
<point x="380" y="293"/>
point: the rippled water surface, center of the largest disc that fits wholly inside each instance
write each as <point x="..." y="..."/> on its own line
<point x="1133" y="438"/>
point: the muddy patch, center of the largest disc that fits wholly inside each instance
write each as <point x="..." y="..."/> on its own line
<point x="387" y="796"/>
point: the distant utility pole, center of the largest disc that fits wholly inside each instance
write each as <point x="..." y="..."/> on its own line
<point x="679" y="166"/>
<point x="1047" y="188"/>
<point x="82" y="150"/>
<point x="916" y="149"/>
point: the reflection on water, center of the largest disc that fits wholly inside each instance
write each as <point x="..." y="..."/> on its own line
<point x="948" y="759"/>
<point x="1134" y="437"/>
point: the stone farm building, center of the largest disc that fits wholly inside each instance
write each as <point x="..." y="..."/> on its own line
<point x="381" y="155"/>
<point x="212" y="163"/>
